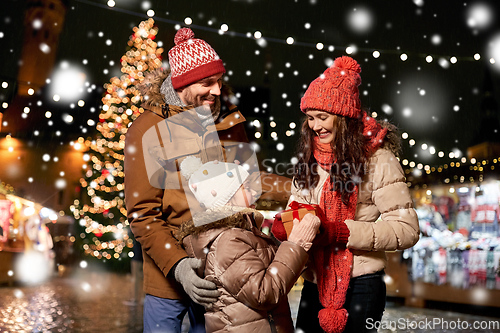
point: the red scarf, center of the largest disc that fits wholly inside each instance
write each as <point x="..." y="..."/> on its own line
<point x="334" y="262"/>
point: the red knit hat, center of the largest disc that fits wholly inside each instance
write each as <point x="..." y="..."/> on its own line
<point x="336" y="90"/>
<point x="192" y="59"/>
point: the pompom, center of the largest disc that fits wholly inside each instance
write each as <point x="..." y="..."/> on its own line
<point x="349" y="63"/>
<point x="190" y="165"/>
<point x="333" y="320"/>
<point x="183" y="35"/>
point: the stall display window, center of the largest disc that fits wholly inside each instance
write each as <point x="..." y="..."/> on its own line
<point x="460" y="238"/>
<point x="485" y="211"/>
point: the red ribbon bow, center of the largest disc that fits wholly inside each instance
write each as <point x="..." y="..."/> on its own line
<point x="297" y="205"/>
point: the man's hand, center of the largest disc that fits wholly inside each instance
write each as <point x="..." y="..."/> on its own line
<point x="199" y="290"/>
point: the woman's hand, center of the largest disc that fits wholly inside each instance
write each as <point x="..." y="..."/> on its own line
<point x="333" y="234"/>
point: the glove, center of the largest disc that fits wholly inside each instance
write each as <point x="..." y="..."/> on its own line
<point x="304" y="232"/>
<point x="199" y="290"/>
<point x="333" y="233"/>
<point x="278" y="229"/>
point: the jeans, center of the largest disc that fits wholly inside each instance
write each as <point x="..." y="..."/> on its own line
<point x="162" y="315"/>
<point x="365" y="303"/>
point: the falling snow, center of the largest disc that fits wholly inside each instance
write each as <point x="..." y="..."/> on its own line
<point x="479" y="15"/>
<point x="360" y="20"/>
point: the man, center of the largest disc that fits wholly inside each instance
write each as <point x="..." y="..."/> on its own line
<point x="168" y="131"/>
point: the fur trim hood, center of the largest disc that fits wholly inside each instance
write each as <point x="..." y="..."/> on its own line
<point x="247" y="218"/>
<point x="150" y="87"/>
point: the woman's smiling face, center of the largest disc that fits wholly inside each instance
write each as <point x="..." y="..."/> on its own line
<point x="323" y="124"/>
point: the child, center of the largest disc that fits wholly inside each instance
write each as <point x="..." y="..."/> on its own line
<point x="253" y="275"/>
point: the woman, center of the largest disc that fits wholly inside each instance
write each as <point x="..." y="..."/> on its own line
<point x="347" y="165"/>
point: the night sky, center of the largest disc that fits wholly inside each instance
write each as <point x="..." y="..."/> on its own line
<point x="435" y="103"/>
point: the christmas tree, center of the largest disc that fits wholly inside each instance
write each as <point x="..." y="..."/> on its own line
<point x="101" y="211"/>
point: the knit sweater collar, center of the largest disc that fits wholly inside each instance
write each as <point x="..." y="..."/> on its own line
<point x="169" y="94"/>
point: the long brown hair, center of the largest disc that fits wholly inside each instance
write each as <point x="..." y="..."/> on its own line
<point x="350" y="157"/>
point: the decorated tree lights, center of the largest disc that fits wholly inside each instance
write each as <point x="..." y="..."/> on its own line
<point x="101" y="212"/>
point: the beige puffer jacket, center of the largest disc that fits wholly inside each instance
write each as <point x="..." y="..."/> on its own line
<point x="383" y="194"/>
<point x="252" y="274"/>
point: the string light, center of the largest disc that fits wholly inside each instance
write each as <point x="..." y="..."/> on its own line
<point x="478" y="168"/>
<point x="278" y="40"/>
<point x="350" y="50"/>
<point x="432" y="150"/>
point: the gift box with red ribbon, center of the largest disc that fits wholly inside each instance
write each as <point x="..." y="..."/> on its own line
<point x="283" y="221"/>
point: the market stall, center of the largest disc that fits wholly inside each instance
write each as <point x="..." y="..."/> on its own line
<point x="24" y="236"/>
<point x="458" y="255"/>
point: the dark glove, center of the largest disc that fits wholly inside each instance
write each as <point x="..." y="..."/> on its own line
<point x="199" y="290"/>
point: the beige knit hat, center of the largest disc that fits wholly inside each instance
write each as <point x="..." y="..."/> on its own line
<point x="213" y="183"/>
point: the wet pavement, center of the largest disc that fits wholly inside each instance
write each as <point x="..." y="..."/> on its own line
<point x="85" y="302"/>
<point x="92" y="301"/>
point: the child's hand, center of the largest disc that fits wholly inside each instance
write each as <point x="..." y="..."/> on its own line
<point x="304" y="232"/>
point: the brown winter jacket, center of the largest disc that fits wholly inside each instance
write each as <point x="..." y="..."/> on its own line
<point x="385" y="219"/>
<point x="155" y="198"/>
<point x="253" y="275"/>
